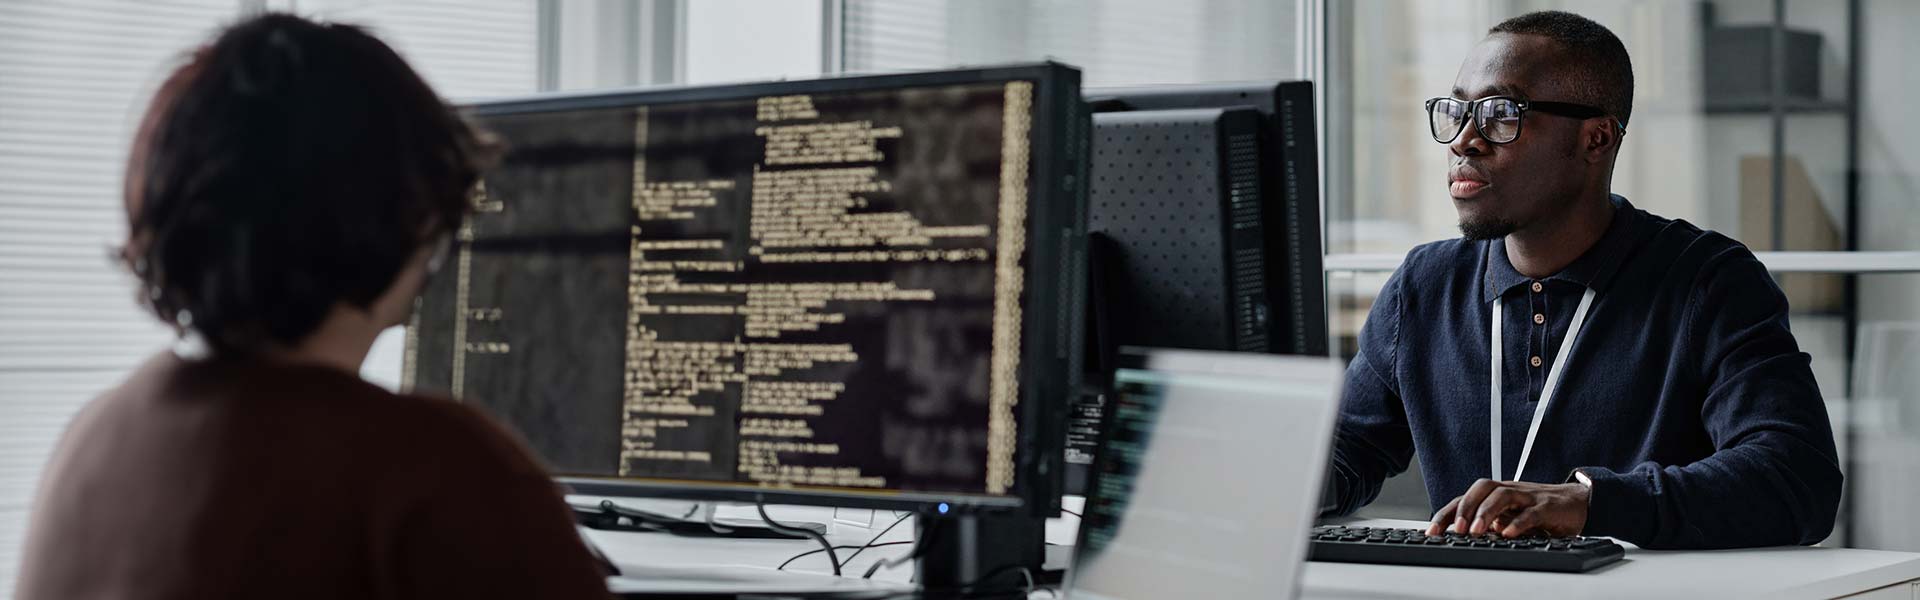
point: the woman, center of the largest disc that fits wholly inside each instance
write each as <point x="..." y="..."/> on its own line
<point x="287" y="191"/>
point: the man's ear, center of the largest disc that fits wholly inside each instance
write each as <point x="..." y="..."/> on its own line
<point x="1601" y="138"/>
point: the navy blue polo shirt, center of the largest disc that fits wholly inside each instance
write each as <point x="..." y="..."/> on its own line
<point x="1685" y="397"/>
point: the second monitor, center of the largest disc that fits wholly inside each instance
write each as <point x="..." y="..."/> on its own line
<point x="1208" y="197"/>
<point x="1204" y="230"/>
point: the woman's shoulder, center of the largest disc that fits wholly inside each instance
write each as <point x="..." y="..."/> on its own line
<point x="311" y="404"/>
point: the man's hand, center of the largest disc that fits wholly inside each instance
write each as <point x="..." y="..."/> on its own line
<point x="1515" y="508"/>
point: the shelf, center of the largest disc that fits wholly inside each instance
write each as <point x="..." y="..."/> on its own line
<point x="1760" y="105"/>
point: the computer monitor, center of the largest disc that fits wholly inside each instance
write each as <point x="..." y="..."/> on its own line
<point x="1184" y="421"/>
<point x="1204" y="231"/>
<point x="1226" y="161"/>
<point x="856" y="291"/>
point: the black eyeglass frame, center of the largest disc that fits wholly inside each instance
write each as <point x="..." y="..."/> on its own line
<point x="1470" y="114"/>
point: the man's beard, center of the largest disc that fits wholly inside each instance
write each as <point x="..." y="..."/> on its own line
<point x="1486" y="229"/>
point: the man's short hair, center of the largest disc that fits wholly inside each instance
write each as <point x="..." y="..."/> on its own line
<point x="1597" y="62"/>
<point x="288" y="167"/>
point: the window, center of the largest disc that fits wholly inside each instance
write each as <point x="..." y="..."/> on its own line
<point x="77" y="76"/>
<point x="74" y="74"/>
<point x="1129" y="42"/>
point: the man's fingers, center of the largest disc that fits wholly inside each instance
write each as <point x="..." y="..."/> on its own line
<point x="1498" y="503"/>
<point x="1469" y="503"/>
<point x="1526" y="522"/>
<point x="1442" y="518"/>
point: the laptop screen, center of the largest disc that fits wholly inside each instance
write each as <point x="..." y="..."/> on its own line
<point x="1207" y="475"/>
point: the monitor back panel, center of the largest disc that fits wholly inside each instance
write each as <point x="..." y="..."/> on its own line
<point x="1290" y="177"/>
<point x="1178" y="195"/>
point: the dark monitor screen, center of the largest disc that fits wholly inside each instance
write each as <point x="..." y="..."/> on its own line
<point x="834" y="291"/>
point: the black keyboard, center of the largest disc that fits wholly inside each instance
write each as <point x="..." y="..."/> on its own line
<point x="1414" y="547"/>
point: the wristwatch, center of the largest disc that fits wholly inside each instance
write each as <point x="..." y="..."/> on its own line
<point x="1581" y="476"/>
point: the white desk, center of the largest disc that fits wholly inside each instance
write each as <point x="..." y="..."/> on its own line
<point x="1787" y="572"/>
<point x="645" y="550"/>
<point x="1783" y="573"/>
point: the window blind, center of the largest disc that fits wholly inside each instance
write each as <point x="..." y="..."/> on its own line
<point x="74" y="78"/>
<point x="1116" y="42"/>
<point x="72" y="75"/>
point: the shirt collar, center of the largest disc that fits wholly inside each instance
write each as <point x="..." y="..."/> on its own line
<point x="1594" y="269"/>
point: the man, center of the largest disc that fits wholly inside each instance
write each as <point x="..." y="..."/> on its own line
<point x="1576" y="365"/>
<point x="285" y="195"/>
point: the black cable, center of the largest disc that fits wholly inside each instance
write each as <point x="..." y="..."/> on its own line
<point x="876" y="538"/>
<point x="1028" y="573"/>
<point x="832" y="558"/>
<point x="919" y="546"/>
<point x="808" y="553"/>
<point x="1075" y="514"/>
<point x="610" y="514"/>
<point x="885" y="563"/>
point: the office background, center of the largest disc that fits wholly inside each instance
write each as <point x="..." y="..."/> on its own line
<point x="1841" y="232"/>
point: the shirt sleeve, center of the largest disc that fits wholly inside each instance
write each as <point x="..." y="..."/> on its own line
<point x="499" y="531"/>
<point x="1371" y="440"/>
<point x="1774" y="477"/>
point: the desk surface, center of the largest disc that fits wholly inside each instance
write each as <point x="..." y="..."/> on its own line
<point x="1785" y="573"/>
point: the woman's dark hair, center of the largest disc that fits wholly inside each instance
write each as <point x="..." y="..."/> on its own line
<point x="288" y="167"/>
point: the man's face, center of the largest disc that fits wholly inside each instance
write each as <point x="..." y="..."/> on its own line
<point x="1502" y="188"/>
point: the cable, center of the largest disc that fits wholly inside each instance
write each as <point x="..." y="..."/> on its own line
<point x="1028" y="574"/>
<point x="832" y="558"/>
<point x="919" y="546"/>
<point x="886" y="564"/>
<point x="714" y="509"/>
<point x="610" y="515"/>
<point x="808" y="553"/>
<point x="1024" y="571"/>
<point x="1075" y="514"/>
<point x="876" y="538"/>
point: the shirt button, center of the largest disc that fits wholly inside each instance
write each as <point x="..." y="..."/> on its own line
<point x="1536" y="362"/>
<point x="1537" y="287"/>
<point x="1539" y="319"/>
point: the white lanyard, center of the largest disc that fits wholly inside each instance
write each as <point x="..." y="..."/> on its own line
<point x="1546" y="395"/>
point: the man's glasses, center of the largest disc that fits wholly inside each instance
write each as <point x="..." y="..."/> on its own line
<point x="1497" y="118"/>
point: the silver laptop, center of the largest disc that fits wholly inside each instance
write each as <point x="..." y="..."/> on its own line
<point x="1207" y="476"/>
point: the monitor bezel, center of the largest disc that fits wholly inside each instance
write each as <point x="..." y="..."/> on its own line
<point x="1050" y="333"/>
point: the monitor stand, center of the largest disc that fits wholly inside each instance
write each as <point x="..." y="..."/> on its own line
<point x="613" y="517"/>
<point x="964" y="555"/>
